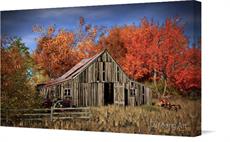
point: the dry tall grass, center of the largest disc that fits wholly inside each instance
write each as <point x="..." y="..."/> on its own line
<point x="149" y="119"/>
<point x="143" y="119"/>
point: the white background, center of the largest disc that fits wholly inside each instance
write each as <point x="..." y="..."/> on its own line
<point x="215" y="79"/>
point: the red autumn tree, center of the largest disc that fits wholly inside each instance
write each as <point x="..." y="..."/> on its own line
<point x="188" y="78"/>
<point x="153" y="52"/>
<point x="141" y="50"/>
<point x="114" y="42"/>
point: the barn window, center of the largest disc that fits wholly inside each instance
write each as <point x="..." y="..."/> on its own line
<point x="67" y="92"/>
<point x="132" y="92"/>
<point x="132" y="85"/>
<point x="132" y="89"/>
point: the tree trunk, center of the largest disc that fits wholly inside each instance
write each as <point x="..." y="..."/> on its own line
<point x="165" y="87"/>
<point x="155" y="84"/>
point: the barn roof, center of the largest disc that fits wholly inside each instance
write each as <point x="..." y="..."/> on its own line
<point x="74" y="70"/>
<point x="78" y="68"/>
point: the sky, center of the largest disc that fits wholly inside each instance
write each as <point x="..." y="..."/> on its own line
<point x="20" y="22"/>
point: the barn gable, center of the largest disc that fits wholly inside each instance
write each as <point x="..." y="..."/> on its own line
<point x="101" y="57"/>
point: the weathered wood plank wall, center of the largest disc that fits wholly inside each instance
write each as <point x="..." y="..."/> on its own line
<point x="87" y="88"/>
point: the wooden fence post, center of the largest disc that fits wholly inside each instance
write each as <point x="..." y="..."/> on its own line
<point x="51" y="113"/>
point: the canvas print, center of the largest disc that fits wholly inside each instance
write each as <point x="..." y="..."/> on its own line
<point x="133" y="68"/>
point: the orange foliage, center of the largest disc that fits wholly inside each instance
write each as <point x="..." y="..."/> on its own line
<point x="189" y="77"/>
<point x="142" y="51"/>
<point x="59" y="51"/>
<point x="56" y="53"/>
<point x="149" y="48"/>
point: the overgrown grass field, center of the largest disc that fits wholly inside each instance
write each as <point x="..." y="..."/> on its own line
<point x="139" y="119"/>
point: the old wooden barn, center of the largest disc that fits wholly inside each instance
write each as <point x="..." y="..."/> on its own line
<point x="98" y="81"/>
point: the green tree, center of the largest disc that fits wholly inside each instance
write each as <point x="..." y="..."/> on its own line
<point x="16" y="63"/>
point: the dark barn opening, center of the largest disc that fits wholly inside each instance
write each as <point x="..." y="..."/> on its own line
<point x="126" y="97"/>
<point x="108" y="93"/>
<point x="143" y="99"/>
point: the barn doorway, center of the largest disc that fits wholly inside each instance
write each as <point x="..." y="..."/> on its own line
<point x="143" y="99"/>
<point x="108" y="93"/>
<point x="126" y="97"/>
